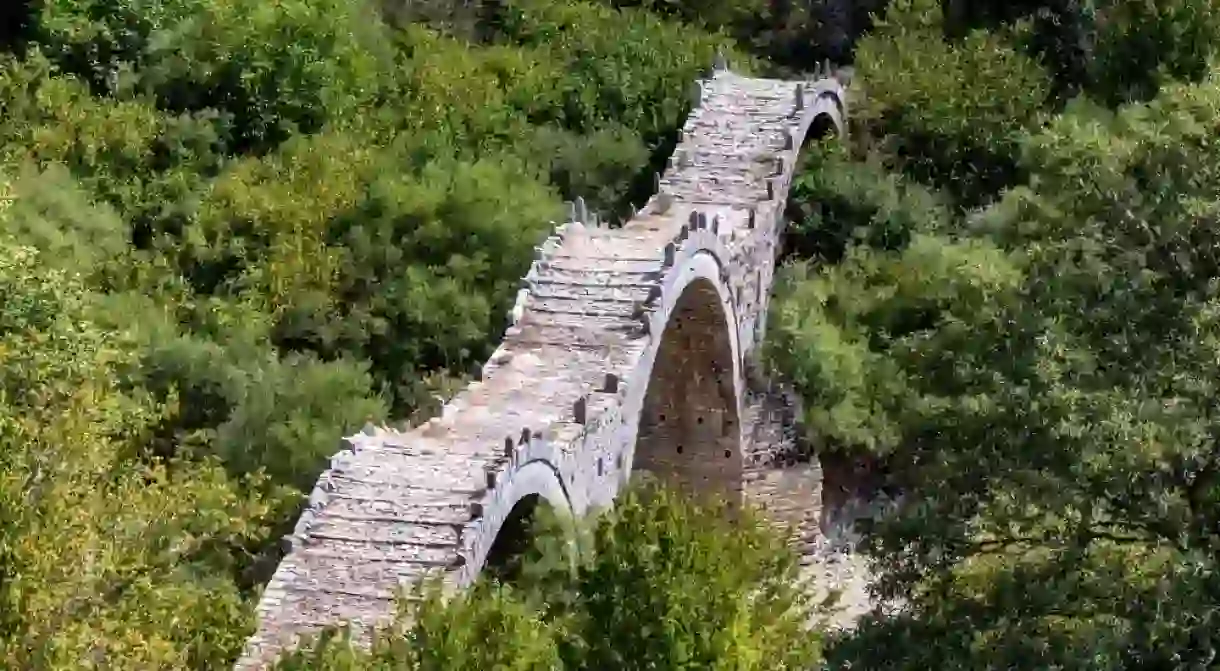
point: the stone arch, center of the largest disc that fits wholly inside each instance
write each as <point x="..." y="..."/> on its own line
<point x="513" y="539"/>
<point x="827" y="116"/>
<point x="824" y="127"/>
<point x="503" y="530"/>
<point x="689" y="425"/>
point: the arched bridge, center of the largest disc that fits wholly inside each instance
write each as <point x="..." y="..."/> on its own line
<point x="627" y="352"/>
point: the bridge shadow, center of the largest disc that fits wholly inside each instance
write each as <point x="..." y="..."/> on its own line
<point x="689" y="434"/>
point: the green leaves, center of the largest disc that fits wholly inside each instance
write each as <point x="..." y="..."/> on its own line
<point x="836" y="203"/>
<point x="107" y="557"/>
<point x="659" y="582"/>
<point x="622" y="66"/>
<point x="260" y="226"/>
<point x="948" y="114"/>
<point x="1142" y="46"/>
<point x="1039" y="374"/>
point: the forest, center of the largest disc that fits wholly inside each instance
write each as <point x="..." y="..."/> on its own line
<point x="232" y="231"/>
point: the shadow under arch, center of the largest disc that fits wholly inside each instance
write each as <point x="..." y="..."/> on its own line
<point x="822" y="128"/>
<point x="804" y="242"/>
<point x="507" y="555"/>
<point x="689" y="432"/>
<point x="531" y="493"/>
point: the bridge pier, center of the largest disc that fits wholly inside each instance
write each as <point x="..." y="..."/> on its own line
<point x="781" y="477"/>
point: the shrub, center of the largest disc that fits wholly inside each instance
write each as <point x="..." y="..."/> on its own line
<point x="598" y="47"/>
<point x="104" y="555"/>
<point x="950" y="115"/>
<point x="659" y="582"/>
<point x="271" y="69"/>
<point x="835" y="203"/>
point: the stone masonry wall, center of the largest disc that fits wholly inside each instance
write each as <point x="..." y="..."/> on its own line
<point x="782" y="478"/>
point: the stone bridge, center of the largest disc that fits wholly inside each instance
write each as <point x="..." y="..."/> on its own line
<point x="628" y="351"/>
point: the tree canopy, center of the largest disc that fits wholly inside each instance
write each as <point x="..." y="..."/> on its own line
<point x="232" y="231"/>
<point x="1034" y="359"/>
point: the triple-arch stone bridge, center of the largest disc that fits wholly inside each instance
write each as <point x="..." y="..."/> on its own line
<point x="628" y="351"/>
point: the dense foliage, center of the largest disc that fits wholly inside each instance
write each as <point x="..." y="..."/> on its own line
<point x="658" y="582"/>
<point x="231" y="231"/>
<point x="1011" y="300"/>
<point x="234" y="231"/>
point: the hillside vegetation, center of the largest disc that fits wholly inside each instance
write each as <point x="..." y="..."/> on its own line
<point x="232" y="231"/>
<point x="1010" y="300"/>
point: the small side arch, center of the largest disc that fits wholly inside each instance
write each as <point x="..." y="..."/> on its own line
<point x="824" y="127"/>
<point x="512" y="542"/>
<point x="503" y="533"/>
<point x="827" y="115"/>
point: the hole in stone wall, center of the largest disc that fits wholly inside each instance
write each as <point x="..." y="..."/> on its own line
<point x="679" y="449"/>
<point x="699" y="420"/>
<point x="601" y="467"/>
<point x="728" y="454"/>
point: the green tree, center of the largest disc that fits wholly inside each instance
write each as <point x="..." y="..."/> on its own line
<point x="110" y="560"/>
<point x="836" y="202"/>
<point x="660" y="581"/>
<point x="1055" y="428"/>
<point x="272" y="70"/>
<point x="950" y="114"/>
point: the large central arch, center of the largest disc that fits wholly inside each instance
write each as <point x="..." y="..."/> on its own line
<point x="690" y="427"/>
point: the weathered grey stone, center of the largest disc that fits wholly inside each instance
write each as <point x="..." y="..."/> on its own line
<point x="582" y="211"/>
<point x="627" y="353"/>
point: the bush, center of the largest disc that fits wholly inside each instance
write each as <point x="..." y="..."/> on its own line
<point x="488" y="627"/>
<point x="604" y="167"/>
<point x="950" y="115"/>
<point x="272" y="70"/>
<point x="238" y="400"/>
<point x="836" y="203"/>
<point x="1142" y="46"/>
<point x="51" y="213"/>
<point x="104" y="555"/>
<point x="660" y="582"/>
<point x="429" y="265"/>
<point x="599" y="46"/>
<point x="1048" y="405"/>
